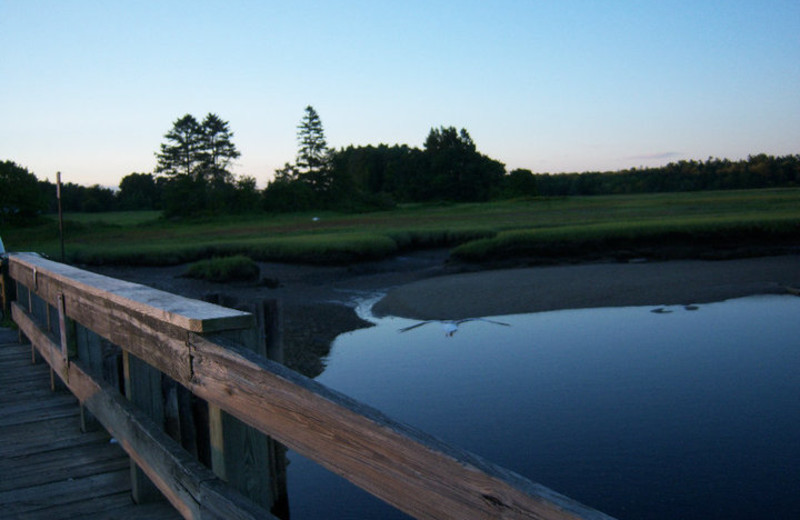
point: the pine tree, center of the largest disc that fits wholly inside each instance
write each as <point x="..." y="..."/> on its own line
<point x="313" y="156"/>
<point x="217" y="149"/>
<point x="200" y="151"/>
<point x="181" y="155"/>
<point x="196" y="159"/>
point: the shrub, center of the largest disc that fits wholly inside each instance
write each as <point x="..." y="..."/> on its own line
<point x="225" y="269"/>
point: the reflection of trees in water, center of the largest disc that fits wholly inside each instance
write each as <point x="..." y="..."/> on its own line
<point x="309" y="331"/>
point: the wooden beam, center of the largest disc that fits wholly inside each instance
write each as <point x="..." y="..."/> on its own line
<point x="184" y="313"/>
<point x="150" y="324"/>
<point x="191" y="488"/>
<point x="403" y="466"/>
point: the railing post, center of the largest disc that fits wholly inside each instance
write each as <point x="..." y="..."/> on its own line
<point x="26" y="299"/>
<point x="248" y="460"/>
<point x="143" y="389"/>
<point x="90" y="354"/>
<point x="5" y="287"/>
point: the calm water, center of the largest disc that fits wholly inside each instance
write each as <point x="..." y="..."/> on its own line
<point x="682" y="414"/>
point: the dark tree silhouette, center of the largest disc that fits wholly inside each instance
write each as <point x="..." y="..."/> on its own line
<point x="313" y="157"/>
<point x="182" y="153"/>
<point x="20" y="197"/>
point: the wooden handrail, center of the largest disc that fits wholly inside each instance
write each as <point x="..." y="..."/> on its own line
<point x="191" y="488"/>
<point x="196" y="344"/>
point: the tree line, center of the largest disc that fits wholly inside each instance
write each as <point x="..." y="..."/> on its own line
<point x="757" y="171"/>
<point x="193" y="176"/>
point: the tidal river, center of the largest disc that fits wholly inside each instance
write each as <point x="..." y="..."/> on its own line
<point x="640" y="412"/>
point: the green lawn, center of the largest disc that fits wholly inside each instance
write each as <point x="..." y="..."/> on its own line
<point x="484" y="231"/>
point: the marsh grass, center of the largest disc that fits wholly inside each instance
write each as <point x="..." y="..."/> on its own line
<point x="529" y="227"/>
<point x="712" y="237"/>
<point x="115" y="218"/>
<point x="226" y="269"/>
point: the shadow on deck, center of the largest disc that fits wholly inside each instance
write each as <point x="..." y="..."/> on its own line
<point x="48" y="468"/>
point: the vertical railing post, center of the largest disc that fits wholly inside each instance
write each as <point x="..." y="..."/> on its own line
<point x="90" y="355"/>
<point x="24" y="298"/>
<point x="66" y="332"/>
<point x="5" y="286"/>
<point x="248" y="460"/>
<point x="143" y="389"/>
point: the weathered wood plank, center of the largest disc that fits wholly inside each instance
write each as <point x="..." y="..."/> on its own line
<point x="143" y="389"/>
<point x="116" y="507"/>
<point x="26" y="391"/>
<point x="53" y="466"/>
<point x="185" y="313"/>
<point x="407" y="468"/>
<point x="52" y="457"/>
<point x="241" y="455"/>
<point x="150" y="324"/>
<point x="8" y="354"/>
<point x="191" y="488"/>
<point x="19" y="378"/>
<point x="25" y="501"/>
<point x="61" y="405"/>
<point x="23" y="439"/>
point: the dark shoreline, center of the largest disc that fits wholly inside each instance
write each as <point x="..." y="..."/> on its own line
<point x="536" y="289"/>
<point x="317" y="302"/>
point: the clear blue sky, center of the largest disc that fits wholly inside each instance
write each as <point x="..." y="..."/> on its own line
<point x="90" y="87"/>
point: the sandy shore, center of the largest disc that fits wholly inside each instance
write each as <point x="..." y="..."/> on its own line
<point x="514" y="291"/>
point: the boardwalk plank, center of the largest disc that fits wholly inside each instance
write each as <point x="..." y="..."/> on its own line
<point x="30" y="499"/>
<point x="118" y="507"/>
<point x="16" y="394"/>
<point x="52" y="466"/>
<point x="21" y="439"/>
<point x="41" y="409"/>
<point x="49" y="470"/>
<point x="112" y="506"/>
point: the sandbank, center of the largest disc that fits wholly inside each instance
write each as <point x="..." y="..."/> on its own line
<point x="536" y="289"/>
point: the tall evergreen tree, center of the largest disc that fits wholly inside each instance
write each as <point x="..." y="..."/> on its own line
<point x="201" y="151"/>
<point x="181" y="154"/>
<point x="217" y="149"/>
<point x="196" y="159"/>
<point x="313" y="156"/>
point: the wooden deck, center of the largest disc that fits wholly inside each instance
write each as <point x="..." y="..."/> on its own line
<point x="155" y="340"/>
<point x="49" y="469"/>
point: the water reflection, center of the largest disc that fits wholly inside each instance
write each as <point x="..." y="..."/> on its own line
<point x="686" y="413"/>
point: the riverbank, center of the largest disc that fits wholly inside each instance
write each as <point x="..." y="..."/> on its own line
<point x="317" y="302"/>
<point x="536" y="289"/>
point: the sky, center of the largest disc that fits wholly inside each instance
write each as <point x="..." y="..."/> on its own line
<point x="89" y="88"/>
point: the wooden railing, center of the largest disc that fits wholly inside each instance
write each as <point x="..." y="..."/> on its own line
<point x="208" y="350"/>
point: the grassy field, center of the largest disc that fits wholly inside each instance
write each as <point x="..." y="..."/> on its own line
<point x="544" y="228"/>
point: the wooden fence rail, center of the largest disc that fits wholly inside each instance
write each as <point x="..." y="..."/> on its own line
<point x="208" y="350"/>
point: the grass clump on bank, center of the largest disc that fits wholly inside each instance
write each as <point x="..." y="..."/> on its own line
<point x="237" y="268"/>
